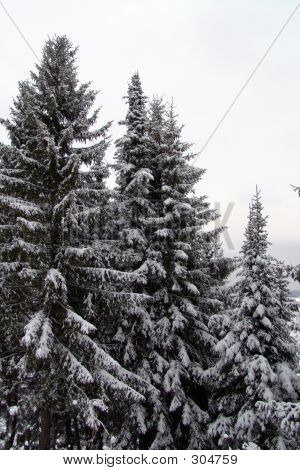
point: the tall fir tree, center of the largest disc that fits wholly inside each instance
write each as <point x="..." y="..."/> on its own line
<point x="134" y="331"/>
<point x="172" y="350"/>
<point x="51" y="346"/>
<point x="183" y="286"/>
<point x="255" y="385"/>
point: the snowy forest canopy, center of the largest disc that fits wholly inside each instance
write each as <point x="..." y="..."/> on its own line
<point x="118" y="326"/>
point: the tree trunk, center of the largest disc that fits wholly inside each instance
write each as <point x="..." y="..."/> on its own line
<point x="98" y="445"/>
<point x="27" y="438"/>
<point x="77" y="435"/>
<point x="11" y="428"/>
<point x="44" y="440"/>
<point x="69" y="434"/>
<point x="11" y="422"/>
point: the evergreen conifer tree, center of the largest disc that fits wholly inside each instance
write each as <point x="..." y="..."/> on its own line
<point x="256" y="387"/>
<point x="134" y="331"/>
<point x="57" y="353"/>
<point x="172" y="350"/>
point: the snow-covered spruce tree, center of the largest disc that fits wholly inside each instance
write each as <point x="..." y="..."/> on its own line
<point x="184" y="277"/>
<point x="175" y="263"/>
<point x="255" y="385"/>
<point x="56" y="351"/>
<point x="134" y="331"/>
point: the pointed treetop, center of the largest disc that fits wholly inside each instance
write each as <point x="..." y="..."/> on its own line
<point x="256" y="236"/>
<point x="58" y="55"/>
<point x="136" y="99"/>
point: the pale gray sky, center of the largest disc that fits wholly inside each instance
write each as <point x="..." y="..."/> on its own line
<point x="199" y="52"/>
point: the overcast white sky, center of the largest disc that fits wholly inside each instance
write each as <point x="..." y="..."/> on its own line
<point x="199" y="52"/>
